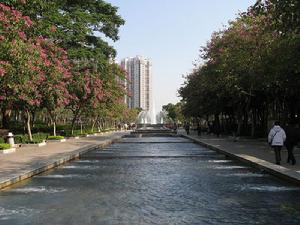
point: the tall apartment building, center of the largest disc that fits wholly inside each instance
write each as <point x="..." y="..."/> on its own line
<point x="139" y="84"/>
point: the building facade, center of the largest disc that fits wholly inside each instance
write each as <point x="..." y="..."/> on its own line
<point x="139" y="82"/>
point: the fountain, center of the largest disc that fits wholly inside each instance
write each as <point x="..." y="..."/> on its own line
<point x="162" y="117"/>
<point x="147" y="126"/>
<point x="144" y="118"/>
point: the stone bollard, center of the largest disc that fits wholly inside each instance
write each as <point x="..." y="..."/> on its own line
<point x="10" y="139"/>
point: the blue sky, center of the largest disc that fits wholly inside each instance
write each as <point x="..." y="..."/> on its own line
<point x="170" y="33"/>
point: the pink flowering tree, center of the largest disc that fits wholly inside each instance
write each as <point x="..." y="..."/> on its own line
<point x="34" y="72"/>
<point x="53" y="79"/>
<point x="19" y="78"/>
<point x="86" y="92"/>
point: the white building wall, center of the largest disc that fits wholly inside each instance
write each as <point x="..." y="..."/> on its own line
<point x="139" y="82"/>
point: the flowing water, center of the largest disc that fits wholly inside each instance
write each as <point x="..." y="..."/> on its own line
<point x="158" y="180"/>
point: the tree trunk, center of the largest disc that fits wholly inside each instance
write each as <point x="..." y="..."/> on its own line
<point x="253" y="124"/>
<point x="6" y="118"/>
<point x="54" y="127"/>
<point x="33" y="118"/>
<point x="93" y="123"/>
<point x="75" y="117"/>
<point x="28" y="124"/>
<point x="239" y="122"/>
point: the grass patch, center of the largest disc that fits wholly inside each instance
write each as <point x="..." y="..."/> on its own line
<point x="56" y="137"/>
<point x="4" y="146"/>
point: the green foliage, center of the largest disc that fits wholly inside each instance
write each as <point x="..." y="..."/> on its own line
<point x="251" y="70"/>
<point x="36" y="138"/>
<point x="55" y="137"/>
<point x="174" y="111"/>
<point x="2" y="140"/>
<point x="4" y="146"/>
<point x="75" y="23"/>
<point x="92" y="83"/>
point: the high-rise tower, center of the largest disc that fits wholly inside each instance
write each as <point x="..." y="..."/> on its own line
<point x="139" y="84"/>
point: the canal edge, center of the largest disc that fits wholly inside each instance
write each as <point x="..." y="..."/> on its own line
<point x="273" y="169"/>
<point x="14" y="180"/>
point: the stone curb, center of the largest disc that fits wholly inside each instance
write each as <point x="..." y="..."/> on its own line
<point x="276" y="170"/>
<point x="8" y="182"/>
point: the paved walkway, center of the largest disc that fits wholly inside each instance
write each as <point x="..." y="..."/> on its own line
<point x="28" y="161"/>
<point x="254" y="151"/>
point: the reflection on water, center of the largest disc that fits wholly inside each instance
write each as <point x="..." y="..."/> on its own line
<point x="152" y="181"/>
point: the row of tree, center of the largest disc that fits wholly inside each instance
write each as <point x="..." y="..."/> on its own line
<point x="251" y="71"/>
<point x="52" y="59"/>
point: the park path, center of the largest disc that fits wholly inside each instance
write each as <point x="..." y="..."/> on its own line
<point x="29" y="161"/>
<point x="255" y="151"/>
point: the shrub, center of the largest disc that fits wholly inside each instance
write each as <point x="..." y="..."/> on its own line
<point x="36" y="138"/>
<point x="55" y="137"/>
<point x="4" y="146"/>
<point x="2" y="140"/>
<point x="19" y="138"/>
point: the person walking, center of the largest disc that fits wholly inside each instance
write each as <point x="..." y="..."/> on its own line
<point x="187" y="128"/>
<point x="290" y="142"/>
<point x="276" y="138"/>
<point x="198" y="128"/>
<point x="175" y="127"/>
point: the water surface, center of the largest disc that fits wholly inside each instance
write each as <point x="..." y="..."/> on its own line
<point x="152" y="181"/>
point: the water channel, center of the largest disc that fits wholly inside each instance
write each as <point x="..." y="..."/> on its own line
<point x="152" y="180"/>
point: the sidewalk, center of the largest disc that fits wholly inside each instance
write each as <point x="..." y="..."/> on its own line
<point x="252" y="151"/>
<point x="29" y="161"/>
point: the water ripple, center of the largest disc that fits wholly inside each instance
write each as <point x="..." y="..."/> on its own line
<point x="38" y="189"/>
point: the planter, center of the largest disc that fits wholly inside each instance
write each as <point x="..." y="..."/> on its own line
<point x="76" y="137"/>
<point x="7" y="151"/>
<point x="60" y="140"/>
<point x="34" y="145"/>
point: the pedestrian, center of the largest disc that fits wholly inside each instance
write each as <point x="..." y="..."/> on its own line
<point x="198" y="128"/>
<point x="290" y="142"/>
<point x="175" y="127"/>
<point x="187" y="128"/>
<point x="276" y="139"/>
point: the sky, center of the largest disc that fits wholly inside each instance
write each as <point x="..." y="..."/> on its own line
<point x="170" y="33"/>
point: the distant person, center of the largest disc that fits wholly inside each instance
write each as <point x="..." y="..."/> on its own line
<point x="175" y="127"/>
<point x="187" y="128"/>
<point x="276" y="139"/>
<point x="216" y="128"/>
<point x="198" y="129"/>
<point x="210" y="128"/>
<point x="290" y="142"/>
<point x="125" y="126"/>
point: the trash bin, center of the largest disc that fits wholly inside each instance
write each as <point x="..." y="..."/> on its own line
<point x="10" y="139"/>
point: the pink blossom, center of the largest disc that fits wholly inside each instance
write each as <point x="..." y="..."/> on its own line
<point x="4" y="62"/>
<point x="28" y="21"/>
<point x="22" y="35"/>
<point x="4" y="7"/>
<point x="47" y="63"/>
<point x="2" y="72"/>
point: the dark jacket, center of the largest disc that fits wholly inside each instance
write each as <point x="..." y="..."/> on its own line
<point x="292" y="136"/>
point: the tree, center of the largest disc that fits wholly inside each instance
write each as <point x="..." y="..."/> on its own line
<point x="19" y="57"/>
<point x="54" y="82"/>
<point x="251" y="69"/>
